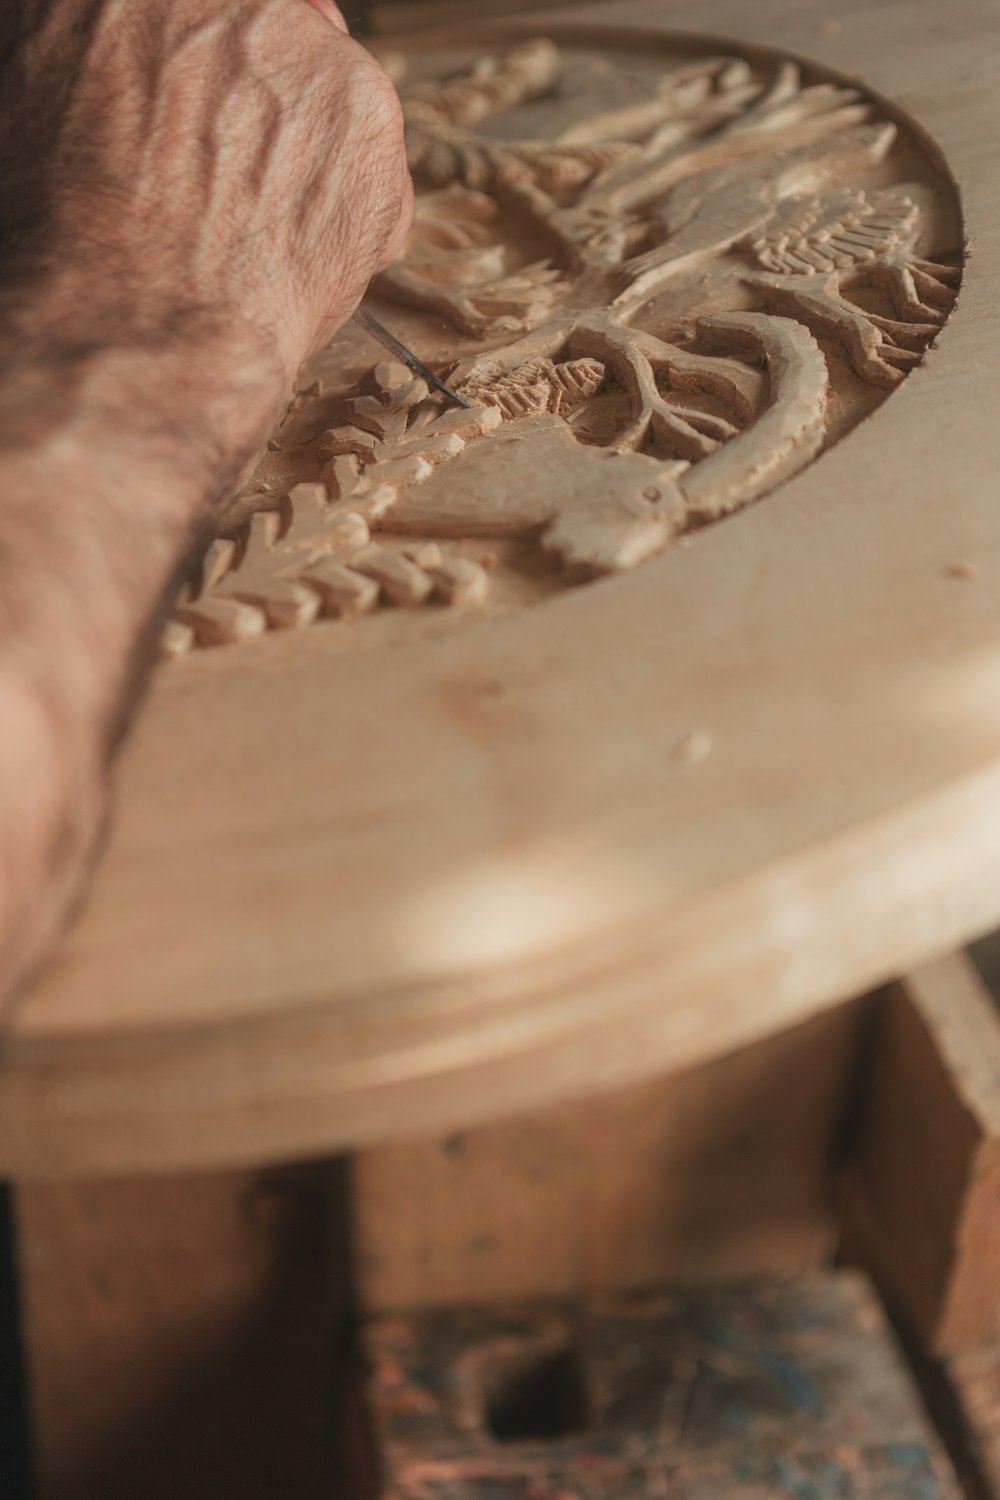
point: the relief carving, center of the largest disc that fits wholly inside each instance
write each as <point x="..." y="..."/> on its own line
<point x="663" y="290"/>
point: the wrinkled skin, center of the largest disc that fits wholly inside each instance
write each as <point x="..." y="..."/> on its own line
<point x="194" y="195"/>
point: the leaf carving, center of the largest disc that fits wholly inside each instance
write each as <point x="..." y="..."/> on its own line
<point x="642" y="302"/>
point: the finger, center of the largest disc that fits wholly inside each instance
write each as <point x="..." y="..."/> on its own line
<point x="329" y="10"/>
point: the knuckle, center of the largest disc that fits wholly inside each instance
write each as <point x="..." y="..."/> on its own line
<point x="382" y="107"/>
<point x="354" y="91"/>
<point x="379" y="116"/>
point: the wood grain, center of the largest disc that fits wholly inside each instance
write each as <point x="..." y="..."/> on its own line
<point x="923" y="1199"/>
<point x="707" y="220"/>
<point x="379" y="887"/>
<point x="725" y="1170"/>
<point x="974" y="1378"/>
<point x="179" y="1336"/>
<point x="784" y="1388"/>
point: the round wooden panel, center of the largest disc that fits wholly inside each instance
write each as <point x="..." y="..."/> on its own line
<point x="498" y="763"/>
<point x="662" y="279"/>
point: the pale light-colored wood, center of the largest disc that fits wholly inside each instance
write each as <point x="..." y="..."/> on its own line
<point x="388" y="883"/>
<point x="923" y="1204"/>
<point x="723" y="1171"/>
<point x="179" y="1337"/>
<point x="658" y="369"/>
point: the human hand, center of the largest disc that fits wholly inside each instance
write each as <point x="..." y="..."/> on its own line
<point x="198" y="165"/>
<point x="196" y="193"/>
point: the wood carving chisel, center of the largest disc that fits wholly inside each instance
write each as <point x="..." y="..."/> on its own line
<point x="373" y="327"/>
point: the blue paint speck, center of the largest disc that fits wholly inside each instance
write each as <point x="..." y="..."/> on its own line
<point x="797" y="1385"/>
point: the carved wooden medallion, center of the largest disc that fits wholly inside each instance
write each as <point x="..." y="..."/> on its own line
<point x="452" y="863"/>
<point x="664" y="282"/>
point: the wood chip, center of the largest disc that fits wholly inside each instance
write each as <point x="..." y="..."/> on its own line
<point x="176" y="640"/>
<point x="264" y="528"/>
<point x="217" y="562"/>
<point x="312" y="494"/>
<point x="692" y="749"/>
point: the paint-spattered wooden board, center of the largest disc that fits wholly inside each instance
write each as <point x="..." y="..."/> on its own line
<point x="755" y="1391"/>
<point x="974" y="1379"/>
<point x="441" y="864"/>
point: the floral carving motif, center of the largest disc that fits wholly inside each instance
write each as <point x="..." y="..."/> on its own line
<point x="644" y="304"/>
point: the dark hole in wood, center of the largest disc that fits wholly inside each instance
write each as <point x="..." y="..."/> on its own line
<point x="537" y="1395"/>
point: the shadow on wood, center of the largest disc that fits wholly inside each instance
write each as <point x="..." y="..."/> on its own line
<point x="181" y="1337"/>
<point x="723" y="1170"/>
<point x="923" y="1187"/>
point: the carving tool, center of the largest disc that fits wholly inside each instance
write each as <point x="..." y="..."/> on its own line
<point x="373" y="327"/>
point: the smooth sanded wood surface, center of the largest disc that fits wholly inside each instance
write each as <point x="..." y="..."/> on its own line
<point x="355" y="892"/>
<point x="729" y="1169"/>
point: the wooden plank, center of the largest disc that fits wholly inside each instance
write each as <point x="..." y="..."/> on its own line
<point x="923" y="1195"/>
<point x="403" y="876"/>
<point x="974" y="1379"/>
<point x="781" y="1389"/>
<point x="723" y="1170"/>
<point x="179" y="1337"/>
<point x="15" y="1460"/>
